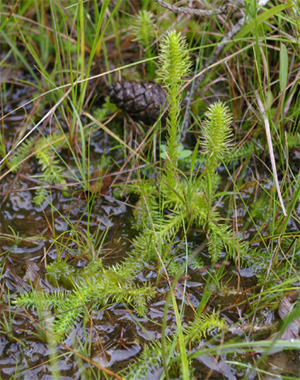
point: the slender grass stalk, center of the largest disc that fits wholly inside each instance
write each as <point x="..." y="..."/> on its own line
<point x="183" y="355"/>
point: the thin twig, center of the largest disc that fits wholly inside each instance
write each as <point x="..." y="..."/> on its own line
<point x="190" y="11"/>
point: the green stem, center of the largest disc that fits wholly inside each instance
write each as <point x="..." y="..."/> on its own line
<point x="210" y="172"/>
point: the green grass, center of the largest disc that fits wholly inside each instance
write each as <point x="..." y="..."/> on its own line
<point x="196" y="207"/>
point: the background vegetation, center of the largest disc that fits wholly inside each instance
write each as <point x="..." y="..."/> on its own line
<point x="149" y="231"/>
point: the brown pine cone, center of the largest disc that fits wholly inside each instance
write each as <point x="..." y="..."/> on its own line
<point x="143" y="101"/>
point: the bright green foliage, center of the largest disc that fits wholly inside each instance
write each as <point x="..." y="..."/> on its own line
<point x="148" y="362"/>
<point x="216" y="136"/>
<point x="45" y="152"/>
<point x="180" y="203"/>
<point x="174" y="60"/>
<point x="62" y="274"/>
<point x="216" y="133"/>
<point x="187" y="202"/>
<point x="151" y="358"/>
<point x="144" y="250"/>
<point x="147" y="205"/>
<point x="200" y="327"/>
<point x="144" y="31"/>
<point x="100" y="286"/>
<point x="175" y="65"/>
<point x="143" y="28"/>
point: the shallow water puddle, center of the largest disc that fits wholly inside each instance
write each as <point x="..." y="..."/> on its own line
<point x="112" y="336"/>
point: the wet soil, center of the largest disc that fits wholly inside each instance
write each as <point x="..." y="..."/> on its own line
<point x="115" y="335"/>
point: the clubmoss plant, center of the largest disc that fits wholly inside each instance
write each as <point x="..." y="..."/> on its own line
<point x="144" y="31"/>
<point x="143" y="28"/>
<point x="95" y="284"/>
<point x="46" y="154"/>
<point x="216" y="137"/>
<point x="175" y="65"/>
<point x="182" y="200"/>
<point x="151" y="358"/>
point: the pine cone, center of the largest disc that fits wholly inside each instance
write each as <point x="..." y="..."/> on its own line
<point x="143" y="101"/>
